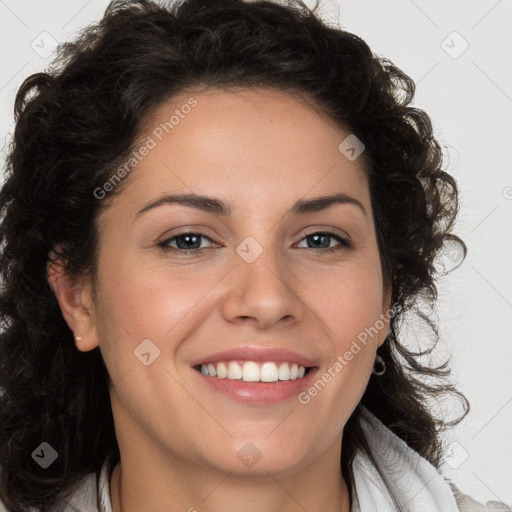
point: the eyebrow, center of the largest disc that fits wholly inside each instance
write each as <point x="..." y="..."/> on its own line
<point x="219" y="207"/>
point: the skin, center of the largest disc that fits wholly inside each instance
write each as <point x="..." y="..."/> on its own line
<point x="259" y="150"/>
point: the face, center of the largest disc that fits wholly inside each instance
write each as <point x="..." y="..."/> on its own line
<point x="263" y="282"/>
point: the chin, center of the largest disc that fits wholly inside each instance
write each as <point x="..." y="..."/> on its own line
<point x="260" y="457"/>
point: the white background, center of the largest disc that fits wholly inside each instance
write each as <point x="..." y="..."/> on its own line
<point x="469" y="97"/>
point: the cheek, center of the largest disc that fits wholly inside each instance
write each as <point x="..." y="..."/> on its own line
<point x="350" y="301"/>
<point x="150" y="301"/>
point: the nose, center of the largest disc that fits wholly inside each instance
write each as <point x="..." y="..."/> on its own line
<point x="263" y="292"/>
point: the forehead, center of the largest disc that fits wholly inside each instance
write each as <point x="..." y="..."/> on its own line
<point x="247" y="145"/>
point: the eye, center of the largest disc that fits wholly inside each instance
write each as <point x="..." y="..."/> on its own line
<point x="320" y="238"/>
<point x="187" y="242"/>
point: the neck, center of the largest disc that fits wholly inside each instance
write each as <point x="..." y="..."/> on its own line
<point x="231" y="493"/>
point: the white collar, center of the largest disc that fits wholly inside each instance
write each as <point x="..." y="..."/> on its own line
<point x="412" y="480"/>
<point x="414" y="483"/>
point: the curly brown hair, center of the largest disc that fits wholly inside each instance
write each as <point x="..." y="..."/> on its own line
<point x="78" y="120"/>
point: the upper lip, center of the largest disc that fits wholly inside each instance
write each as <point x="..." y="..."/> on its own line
<point x="256" y="354"/>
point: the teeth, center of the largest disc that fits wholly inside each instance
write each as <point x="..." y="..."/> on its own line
<point x="254" y="372"/>
<point x="284" y="371"/>
<point x="269" y="372"/>
<point x="250" y="372"/>
<point x="222" y="370"/>
<point x="234" y="371"/>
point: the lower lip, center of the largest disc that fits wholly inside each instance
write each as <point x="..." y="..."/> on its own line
<point x="258" y="393"/>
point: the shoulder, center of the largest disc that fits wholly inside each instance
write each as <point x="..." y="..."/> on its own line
<point x="467" y="504"/>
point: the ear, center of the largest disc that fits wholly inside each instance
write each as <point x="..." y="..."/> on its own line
<point x="74" y="294"/>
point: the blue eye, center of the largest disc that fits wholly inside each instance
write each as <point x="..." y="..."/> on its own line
<point x="190" y="242"/>
<point x="186" y="242"/>
<point x="317" y="236"/>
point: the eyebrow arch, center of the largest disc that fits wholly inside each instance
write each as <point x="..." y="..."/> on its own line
<point x="219" y="207"/>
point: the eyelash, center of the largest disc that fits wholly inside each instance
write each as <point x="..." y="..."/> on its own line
<point x="344" y="243"/>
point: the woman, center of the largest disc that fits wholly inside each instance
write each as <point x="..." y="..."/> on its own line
<point x="174" y="338"/>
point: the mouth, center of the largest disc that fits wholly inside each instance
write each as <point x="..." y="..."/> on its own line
<point x="255" y="375"/>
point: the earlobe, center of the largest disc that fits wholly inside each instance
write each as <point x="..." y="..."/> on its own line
<point x="74" y="296"/>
